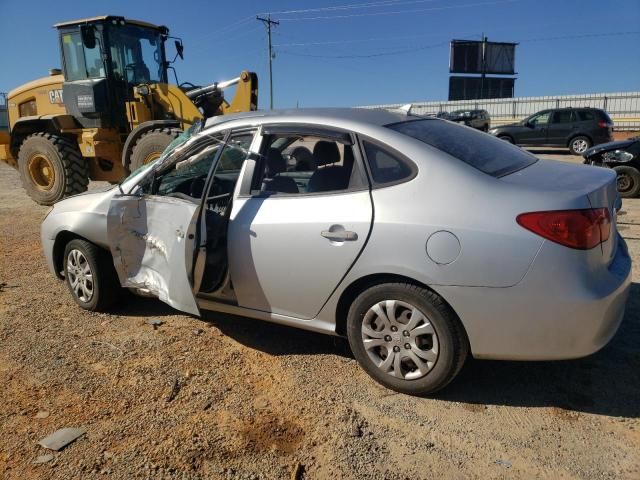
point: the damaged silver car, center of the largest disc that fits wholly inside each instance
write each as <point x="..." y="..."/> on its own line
<point x="420" y="240"/>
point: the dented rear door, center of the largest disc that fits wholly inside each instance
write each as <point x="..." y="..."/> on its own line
<point x="152" y="243"/>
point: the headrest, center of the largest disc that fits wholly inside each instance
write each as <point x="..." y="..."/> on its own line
<point x="304" y="159"/>
<point x="275" y="162"/>
<point x="325" y="153"/>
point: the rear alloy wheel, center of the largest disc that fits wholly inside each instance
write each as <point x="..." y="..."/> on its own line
<point x="406" y="337"/>
<point x="51" y="168"/>
<point x="628" y="181"/>
<point x="150" y="146"/>
<point x="90" y="275"/>
<point x="579" y="145"/>
<point x="506" y="138"/>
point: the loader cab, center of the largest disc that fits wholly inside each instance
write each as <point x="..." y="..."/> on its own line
<point x="103" y="60"/>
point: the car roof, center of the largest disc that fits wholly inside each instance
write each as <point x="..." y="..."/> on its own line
<point x="345" y="116"/>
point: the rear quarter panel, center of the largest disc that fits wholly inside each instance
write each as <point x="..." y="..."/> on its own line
<point x="447" y="195"/>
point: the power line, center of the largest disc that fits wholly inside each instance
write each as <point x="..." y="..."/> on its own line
<point x="359" y="40"/>
<point x="584" y="35"/>
<point x="224" y="30"/>
<point x="351" y="6"/>
<point x="399" y="12"/>
<point x="372" y="55"/>
<point x="426" y="47"/>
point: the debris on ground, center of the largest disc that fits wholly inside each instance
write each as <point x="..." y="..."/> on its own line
<point x="504" y="463"/>
<point x="42" y="414"/>
<point x="154" y="322"/>
<point x="175" y="388"/>
<point x="61" y="438"/>
<point x="43" y="459"/>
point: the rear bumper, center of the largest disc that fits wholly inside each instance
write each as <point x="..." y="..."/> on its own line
<point x="556" y="312"/>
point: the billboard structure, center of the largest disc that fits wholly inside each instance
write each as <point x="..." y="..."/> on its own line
<point x="473" y="88"/>
<point x="481" y="57"/>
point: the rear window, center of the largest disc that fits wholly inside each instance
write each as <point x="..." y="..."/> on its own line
<point x="488" y="154"/>
<point x="586" y="115"/>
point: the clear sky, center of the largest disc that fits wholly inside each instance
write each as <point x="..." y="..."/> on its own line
<point x="356" y="52"/>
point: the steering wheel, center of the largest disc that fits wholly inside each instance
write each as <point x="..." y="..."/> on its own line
<point x="197" y="187"/>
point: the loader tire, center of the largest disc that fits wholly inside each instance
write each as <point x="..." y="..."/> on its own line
<point x="150" y="146"/>
<point x="51" y="168"/>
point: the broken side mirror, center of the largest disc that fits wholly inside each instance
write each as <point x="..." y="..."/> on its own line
<point x="88" y="35"/>
<point x="179" y="49"/>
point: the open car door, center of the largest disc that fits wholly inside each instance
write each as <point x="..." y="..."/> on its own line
<point x="153" y="231"/>
<point x="152" y="242"/>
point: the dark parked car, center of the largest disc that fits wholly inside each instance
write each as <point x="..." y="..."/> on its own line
<point x="624" y="157"/>
<point x="479" y="119"/>
<point x="576" y="128"/>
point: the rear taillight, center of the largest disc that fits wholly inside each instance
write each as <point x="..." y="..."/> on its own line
<point x="605" y="124"/>
<point x="581" y="229"/>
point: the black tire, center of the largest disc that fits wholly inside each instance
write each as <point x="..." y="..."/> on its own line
<point x="452" y="340"/>
<point x="506" y="138"/>
<point x="578" y="145"/>
<point x="151" y="145"/>
<point x="105" y="286"/>
<point x="628" y="181"/>
<point x="51" y="168"/>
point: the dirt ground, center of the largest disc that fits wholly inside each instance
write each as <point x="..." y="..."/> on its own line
<point x="228" y="397"/>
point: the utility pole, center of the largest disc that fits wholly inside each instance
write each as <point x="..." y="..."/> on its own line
<point x="268" y="22"/>
<point x="484" y="65"/>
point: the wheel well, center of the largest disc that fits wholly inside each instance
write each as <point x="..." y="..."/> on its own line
<point x="23" y="129"/>
<point x="360" y="285"/>
<point x="61" y="241"/>
<point x="29" y="125"/>
<point x="505" y="135"/>
<point x="580" y="135"/>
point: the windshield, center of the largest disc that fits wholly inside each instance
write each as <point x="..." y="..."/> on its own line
<point x="487" y="153"/>
<point x="136" y="54"/>
<point x="172" y="147"/>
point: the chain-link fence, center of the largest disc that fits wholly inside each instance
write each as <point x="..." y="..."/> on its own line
<point x="623" y="108"/>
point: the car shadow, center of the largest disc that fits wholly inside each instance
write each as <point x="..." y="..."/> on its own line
<point x="605" y="383"/>
<point x="277" y="339"/>
<point x="131" y="305"/>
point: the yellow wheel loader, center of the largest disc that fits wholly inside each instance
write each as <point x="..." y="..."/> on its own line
<point x="109" y="110"/>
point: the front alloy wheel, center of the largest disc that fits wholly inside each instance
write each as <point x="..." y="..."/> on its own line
<point x="90" y="275"/>
<point x="80" y="276"/>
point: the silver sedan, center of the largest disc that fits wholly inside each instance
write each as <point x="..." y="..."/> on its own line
<point x="420" y="240"/>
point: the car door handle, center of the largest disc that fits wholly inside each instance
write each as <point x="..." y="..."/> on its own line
<point x="340" y="235"/>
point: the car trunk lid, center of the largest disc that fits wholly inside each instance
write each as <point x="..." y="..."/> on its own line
<point x="555" y="185"/>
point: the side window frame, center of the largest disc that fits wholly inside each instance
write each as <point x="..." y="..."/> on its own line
<point x="227" y="137"/>
<point x="269" y="132"/>
<point x="394" y="153"/>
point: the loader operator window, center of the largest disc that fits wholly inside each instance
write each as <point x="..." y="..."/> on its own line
<point x="136" y="54"/>
<point x="81" y="62"/>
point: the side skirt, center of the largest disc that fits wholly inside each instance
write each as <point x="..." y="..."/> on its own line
<point x="315" y="325"/>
